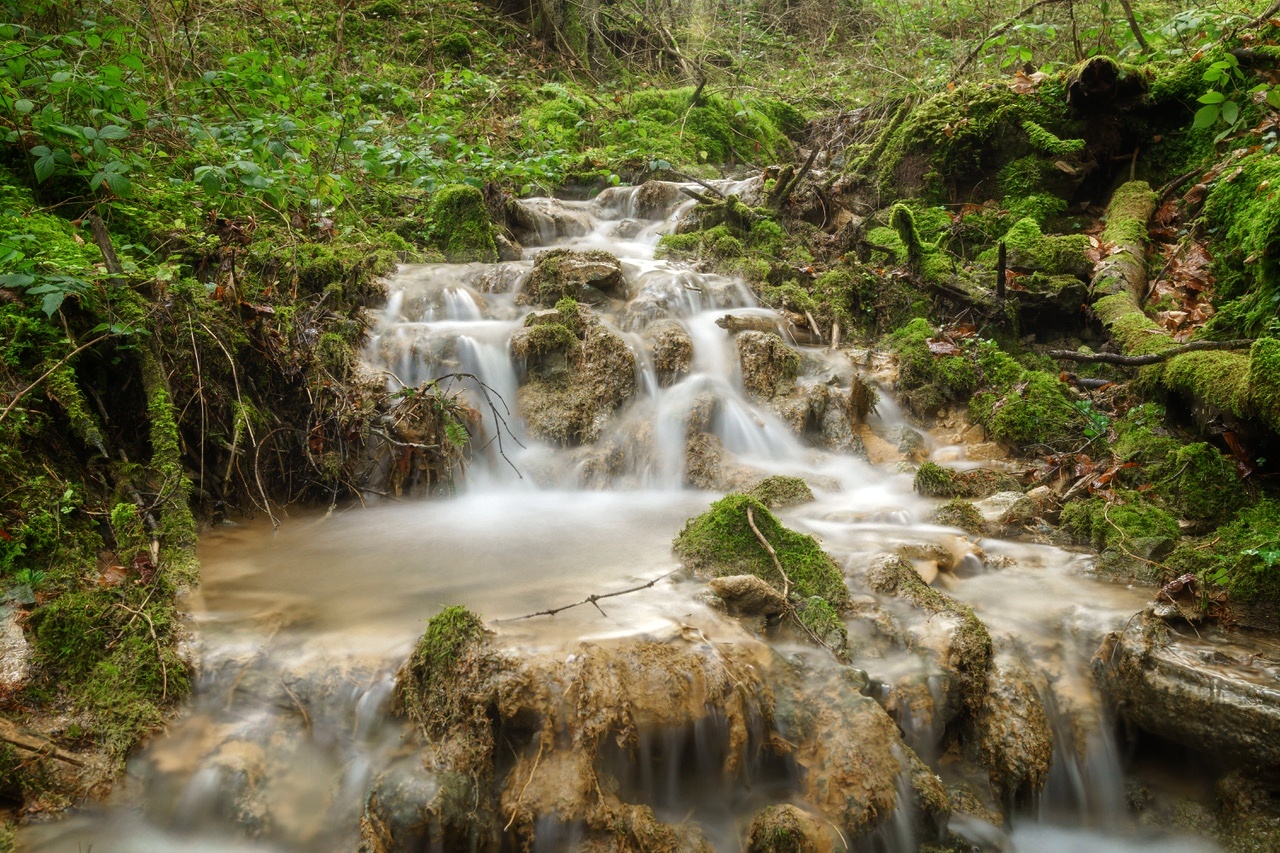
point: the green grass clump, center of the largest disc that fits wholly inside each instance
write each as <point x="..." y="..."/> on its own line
<point x="451" y="649"/>
<point x="721" y="542"/>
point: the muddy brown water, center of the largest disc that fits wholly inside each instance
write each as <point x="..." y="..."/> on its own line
<point x="298" y="632"/>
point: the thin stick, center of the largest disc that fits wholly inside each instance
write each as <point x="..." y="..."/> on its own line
<point x="516" y="809"/>
<point x="590" y="599"/>
<point x="786" y="581"/>
<point x="1151" y="358"/>
<point x="31" y="742"/>
<point x="164" y="671"/>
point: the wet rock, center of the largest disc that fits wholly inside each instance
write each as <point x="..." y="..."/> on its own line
<point x="15" y="653"/>
<point x="748" y="595"/>
<point x="1204" y="692"/>
<point x="564" y="273"/>
<point x="542" y="221"/>
<point x="735" y="324"/>
<point x="851" y="754"/>
<point x="959" y="513"/>
<point x="1249" y="819"/>
<point x="954" y="637"/>
<point x="790" y="829"/>
<point x="584" y="373"/>
<point x="671" y="349"/>
<point x="508" y="249"/>
<point x="1005" y="513"/>
<point x="654" y="199"/>
<point x="769" y="366"/>
<point x="822" y="412"/>
<point x="1014" y="740"/>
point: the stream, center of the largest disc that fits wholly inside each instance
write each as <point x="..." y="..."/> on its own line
<point x="298" y="633"/>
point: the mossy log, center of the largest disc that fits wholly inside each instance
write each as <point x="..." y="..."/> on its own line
<point x="1243" y="386"/>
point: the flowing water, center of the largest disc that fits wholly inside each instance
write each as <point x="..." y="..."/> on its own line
<point x="298" y="633"/>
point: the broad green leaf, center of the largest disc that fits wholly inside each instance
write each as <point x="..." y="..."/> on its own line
<point x="119" y="184"/>
<point x="16" y="279"/>
<point x="1212" y="98"/>
<point x="23" y="106"/>
<point x="52" y="302"/>
<point x="1230" y="112"/>
<point x="1206" y="116"/>
<point x="112" y="131"/>
<point x="43" y="168"/>
<point x="1273" y="98"/>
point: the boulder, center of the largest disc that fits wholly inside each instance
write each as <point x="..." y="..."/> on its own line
<point x="1205" y="691"/>
<point x="769" y="366"/>
<point x="15" y="653"/>
<point x="748" y="595"/>
<point x="671" y="349"/>
<point x="564" y="273"/>
<point x="1013" y="739"/>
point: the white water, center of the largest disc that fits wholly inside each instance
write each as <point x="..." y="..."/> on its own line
<point x="299" y="632"/>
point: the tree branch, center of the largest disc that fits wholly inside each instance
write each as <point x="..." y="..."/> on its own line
<point x="1150" y="358"/>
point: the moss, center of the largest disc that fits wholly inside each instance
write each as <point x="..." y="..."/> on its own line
<point x="455" y="47"/>
<point x="1036" y="411"/>
<point x="1118" y="524"/>
<point x="1127" y="214"/>
<point x="1031" y="250"/>
<point x="543" y="339"/>
<point x="460" y="225"/>
<point x="721" y="542"/>
<point x="1263" y="380"/>
<point x="781" y="491"/>
<point x="384" y="10"/>
<point x="450" y="651"/>
<point x="928" y="381"/>
<point x="718" y="242"/>
<point x="1046" y="142"/>
<point x="171" y="484"/>
<point x="823" y="623"/>
<point x="1220" y="379"/>
<point x="8" y="838"/>
<point x="1242" y="213"/>
<point x="959" y="513"/>
<point x="1200" y="483"/>
<point x="903" y="221"/>
<point x="936" y="481"/>
<point x="1242" y="555"/>
<point x="1040" y="207"/>
<point x="560" y="274"/>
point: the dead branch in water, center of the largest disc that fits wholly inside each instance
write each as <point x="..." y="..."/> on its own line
<point x="590" y="599"/>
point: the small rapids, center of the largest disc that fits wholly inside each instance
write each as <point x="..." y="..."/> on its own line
<point x="298" y="633"/>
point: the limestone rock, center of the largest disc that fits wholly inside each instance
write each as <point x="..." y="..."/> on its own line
<point x="671" y="349"/>
<point x="1204" y="692"/>
<point x="1014" y="738"/>
<point x="768" y="364"/>
<point x="15" y="653"/>
<point x="748" y="595"/>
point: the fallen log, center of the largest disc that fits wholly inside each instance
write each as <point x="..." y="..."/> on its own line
<point x="1210" y="375"/>
<point x="31" y="742"/>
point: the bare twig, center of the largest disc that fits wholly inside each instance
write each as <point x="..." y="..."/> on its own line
<point x="786" y="581"/>
<point x="590" y="599"/>
<point x="534" y="769"/>
<point x="164" y="671"/>
<point x="31" y="742"/>
<point x="1150" y="358"/>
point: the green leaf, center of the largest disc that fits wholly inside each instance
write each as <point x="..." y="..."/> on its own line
<point x="1212" y="97"/>
<point x="1273" y="98"/>
<point x="52" y="302"/>
<point x="43" y="168"/>
<point x="23" y="106"/>
<point x="119" y="184"/>
<point x="16" y="279"/>
<point x="1230" y="112"/>
<point x="1206" y="116"/>
<point x="112" y="131"/>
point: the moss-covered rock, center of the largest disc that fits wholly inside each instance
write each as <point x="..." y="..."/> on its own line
<point x="937" y="481"/>
<point x="721" y="542"/>
<point x="460" y="226"/>
<point x="1036" y="410"/>
<point x="787" y="829"/>
<point x="959" y="513"/>
<point x="1031" y="250"/>
<point x="927" y="382"/>
<point x="670" y="348"/>
<point x="1243" y="555"/>
<point x="1200" y="483"/>
<point x="568" y="274"/>
<point x="781" y="491"/>
<point x="577" y="385"/>
<point x="1132" y="532"/>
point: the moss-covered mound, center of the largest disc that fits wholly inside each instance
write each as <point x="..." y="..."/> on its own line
<point x="567" y="274"/>
<point x="937" y="481"/>
<point x="781" y="491"/>
<point x="460" y="226"/>
<point x="577" y="374"/>
<point x="721" y="542"/>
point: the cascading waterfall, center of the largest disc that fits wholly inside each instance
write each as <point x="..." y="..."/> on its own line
<point x="299" y="635"/>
